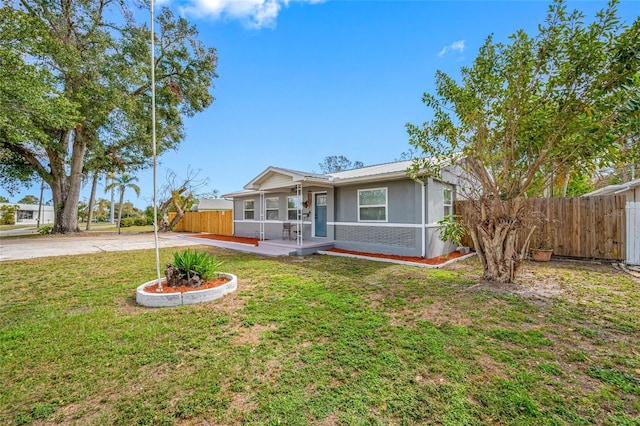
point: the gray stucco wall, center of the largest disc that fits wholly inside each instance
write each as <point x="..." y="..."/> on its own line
<point x="404" y="199"/>
<point x="404" y="208"/>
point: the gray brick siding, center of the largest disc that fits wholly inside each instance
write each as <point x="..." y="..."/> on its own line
<point x="399" y="237"/>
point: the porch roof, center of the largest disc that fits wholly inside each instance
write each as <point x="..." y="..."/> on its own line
<point x="278" y="177"/>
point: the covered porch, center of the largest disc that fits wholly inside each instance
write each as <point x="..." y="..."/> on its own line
<point x="286" y="209"/>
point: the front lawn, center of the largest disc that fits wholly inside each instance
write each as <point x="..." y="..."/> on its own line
<point x="318" y="340"/>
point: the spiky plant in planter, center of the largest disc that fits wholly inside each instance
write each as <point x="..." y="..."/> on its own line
<point x="192" y="268"/>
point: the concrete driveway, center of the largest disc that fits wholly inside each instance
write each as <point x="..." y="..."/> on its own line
<point x="61" y="245"/>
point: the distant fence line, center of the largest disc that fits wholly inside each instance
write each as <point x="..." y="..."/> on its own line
<point x="587" y="227"/>
<point x="214" y="222"/>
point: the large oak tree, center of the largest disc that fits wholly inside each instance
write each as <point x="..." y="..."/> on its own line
<point x="565" y="99"/>
<point x="75" y="84"/>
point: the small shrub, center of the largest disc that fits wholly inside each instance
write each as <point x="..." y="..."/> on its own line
<point x="126" y="222"/>
<point x="140" y="221"/>
<point x="454" y="229"/>
<point x="192" y="262"/>
<point x="45" y="230"/>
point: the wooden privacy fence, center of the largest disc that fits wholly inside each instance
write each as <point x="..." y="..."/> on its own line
<point x="588" y="227"/>
<point x="214" y="222"/>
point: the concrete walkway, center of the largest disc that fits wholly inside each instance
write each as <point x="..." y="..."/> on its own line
<point x="62" y="245"/>
<point x="263" y="250"/>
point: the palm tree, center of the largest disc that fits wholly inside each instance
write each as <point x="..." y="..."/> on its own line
<point x="123" y="182"/>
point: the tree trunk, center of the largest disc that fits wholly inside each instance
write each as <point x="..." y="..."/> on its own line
<point x="567" y="177"/>
<point x="179" y="215"/>
<point x="120" y="207"/>
<point x="493" y="225"/>
<point x="165" y="225"/>
<point x="498" y="254"/>
<point x="66" y="189"/>
<point x="92" y="200"/>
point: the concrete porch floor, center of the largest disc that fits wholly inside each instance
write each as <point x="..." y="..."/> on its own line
<point x="308" y="246"/>
<point x="270" y="247"/>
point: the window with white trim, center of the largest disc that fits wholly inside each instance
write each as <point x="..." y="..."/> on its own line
<point x="447" y="200"/>
<point x="249" y="211"/>
<point x="372" y="205"/>
<point x="294" y="203"/>
<point x="272" y="205"/>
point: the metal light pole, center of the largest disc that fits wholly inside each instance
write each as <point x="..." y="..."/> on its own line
<point x="153" y="139"/>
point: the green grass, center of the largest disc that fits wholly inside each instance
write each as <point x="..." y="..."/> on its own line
<point x="316" y="340"/>
<point x="109" y="227"/>
<point x="17" y="226"/>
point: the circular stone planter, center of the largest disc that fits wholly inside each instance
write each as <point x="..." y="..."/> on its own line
<point x="157" y="300"/>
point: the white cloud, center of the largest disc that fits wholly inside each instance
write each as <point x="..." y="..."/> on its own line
<point x="253" y="13"/>
<point x="455" y="46"/>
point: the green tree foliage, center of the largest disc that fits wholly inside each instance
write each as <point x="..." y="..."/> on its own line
<point x="3" y="199"/>
<point x="556" y="101"/>
<point x="101" y="210"/>
<point x="8" y="215"/>
<point x="75" y="91"/>
<point x="29" y="199"/>
<point x="338" y="163"/>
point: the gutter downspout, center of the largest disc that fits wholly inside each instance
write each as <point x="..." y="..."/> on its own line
<point x="423" y="189"/>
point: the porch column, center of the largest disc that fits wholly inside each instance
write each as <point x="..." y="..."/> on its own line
<point x="262" y="214"/>
<point x="299" y="223"/>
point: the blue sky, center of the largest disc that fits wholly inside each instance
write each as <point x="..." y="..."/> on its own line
<point x="302" y="80"/>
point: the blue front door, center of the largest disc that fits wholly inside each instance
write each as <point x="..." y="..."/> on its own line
<point x="320" y="215"/>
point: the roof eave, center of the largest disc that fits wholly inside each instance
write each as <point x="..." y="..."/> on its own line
<point x="371" y="178"/>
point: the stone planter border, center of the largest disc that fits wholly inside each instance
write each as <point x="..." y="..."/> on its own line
<point x="157" y="300"/>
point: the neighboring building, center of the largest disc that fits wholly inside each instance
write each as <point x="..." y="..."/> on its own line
<point x="212" y="204"/>
<point x="371" y="209"/>
<point x="631" y="190"/>
<point x="28" y="213"/>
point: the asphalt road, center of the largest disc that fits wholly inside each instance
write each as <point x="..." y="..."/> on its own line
<point x="62" y="245"/>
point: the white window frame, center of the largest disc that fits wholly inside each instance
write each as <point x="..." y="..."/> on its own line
<point x="245" y="209"/>
<point x="385" y="205"/>
<point x="267" y="209"/>
<point x="295" y="209"/>
<point x="447" y="205"/>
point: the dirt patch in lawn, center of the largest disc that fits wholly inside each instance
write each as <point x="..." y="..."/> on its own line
<point x="542" y="282"/>
<point x="228" y="238"/>
<point x="251" y="336"/>
<point x="438" y="260"/>
<point x="541" y="291"/>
